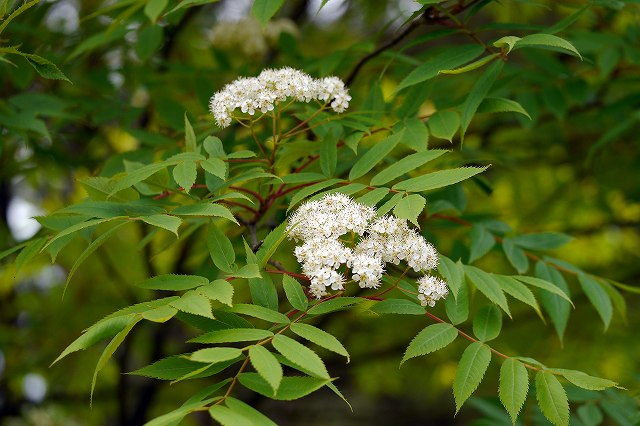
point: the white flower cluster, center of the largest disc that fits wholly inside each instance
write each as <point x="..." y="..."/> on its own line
<point x="262" y="93"/>
<point x="248" y="37"/>
<point x="431" y="289"/>
<point x="319" y="225"/>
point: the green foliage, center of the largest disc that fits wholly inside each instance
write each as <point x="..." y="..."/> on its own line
<point x="207" y="274"/>
<point x="514" y="385"/>
<point x="473" y="364"/>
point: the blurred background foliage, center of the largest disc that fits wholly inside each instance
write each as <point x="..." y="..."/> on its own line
<point x="572" y="168"/>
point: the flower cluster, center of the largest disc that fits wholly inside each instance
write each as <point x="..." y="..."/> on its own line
<point x="262" y="93"/>
<point x="319" y="225"/>
<point x="248" y="37"/>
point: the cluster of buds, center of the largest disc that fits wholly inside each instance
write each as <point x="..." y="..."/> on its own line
<point x="320" y="224"/>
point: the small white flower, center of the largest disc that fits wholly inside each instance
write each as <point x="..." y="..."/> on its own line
<point x="367" y="270"/>
<point x="430" y="289"/>
<point x="322" y="252"/>
<point x="261" y="93"/>
<point x="320" y="223"/>
<point x="330" y="217"/>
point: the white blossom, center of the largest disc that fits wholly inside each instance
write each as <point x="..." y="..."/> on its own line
<point x="367" y="270"/>
<point x="248" y="37"/>
<point x="320" y="224"/>
<point x="322" y="252"/>
<point x="262" y="93"/>
<point x="330" y="217"/>
<point x="430" y="289"/>
<point x="393" y="241"/>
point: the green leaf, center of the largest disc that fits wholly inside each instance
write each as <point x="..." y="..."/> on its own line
<point x="233" y="335"/>
<point x="487" y="323"/>
<point x="205" y="209"/>
<point x="216" y="167"/>
<point x="44" y="67"/>
<point x="410" y="208"/>
<point x="170" y="368"/>
<point x="333" y="305"/>
<point x="95" y="244"/>
<point x="300" y="355"/>
<point x="386" y="207"/>
<point x="261" y="313"/>
<point x="566" y="22"/>
<point x="290" y="388"/>
<point x="541" y="241"/>
<point x="452" y="273"/>
<point x="161" y="314"/>
<point x="584" y="380"/>
<point x="263" y="292"/>
<point x="19" y="11"/>
<point x="398" y="306"/>
<point x="430" y="339"/>
<point x="250" y="270"/>
<point x="508" y="41"/>
<point x="552" y="398"/>
<point x="319" y="337"/>
<point x="545" y="285"/>
<point x="557" y="308"/>
<point x="75" y="228"/>
<point x="309" y="190"/>
<point x="195" y="303"/>
<point x="487" y="286"/>
<point x="295" y="294"/>
<point x="266" y="365"/>
<point x="404" y="166"/>
<point x="444" y="124"/>
<point x="256" y="417"/>
<point x="164" y="221"/>
<point x="598" y="297"/>
<point x="173" y="282"/>
<point x="478" y="93"/>
<point x="472" y="66"/>
<point x="590" y="415"/>
<point x="373" y="197"/>
<point x="174" y="417"/>
<point x="438" y="179"/>
<point x="29" y="252"/>
<point x="109" y="350"/>
<point x="215" y="355"/>
<point x="473" y="364"/>
<point x="451" y="57"/>
<point x="458" y="309"/>
<point x="490" y="105"/>
<point x="519" y="291"/>
<point x="154" y="8"/>
<point x="481" y="242"/>
<point x="515" y="255"/>
<point x="189" y="138"/>
<point x="228" y="417"/>
<point x="96" y="333"/>
<point x="97" y="40"/>
<point x="374" y="155"/>
<point x="185" y="174"/>
<point x="547" y="40"/>
<point x="220" y="290"/>
<point x="271" y="243"/>
<point x="221" y="249"/>
<point x="514" y="385"/>
<point x="617" y="298"/>
<point x="265" y="9"/>
<point x="149" y="41"/>
<point x="329" y="155"/>
<point x="416" y="135"/>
